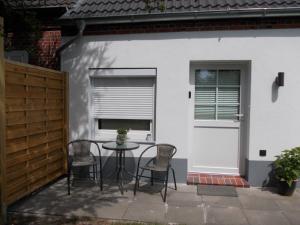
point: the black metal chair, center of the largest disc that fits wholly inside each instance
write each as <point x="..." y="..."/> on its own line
<point x="160" y="163"/>
<point x="80" y="155"/>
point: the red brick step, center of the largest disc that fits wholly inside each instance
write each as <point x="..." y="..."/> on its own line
<point x="216" y="179"/>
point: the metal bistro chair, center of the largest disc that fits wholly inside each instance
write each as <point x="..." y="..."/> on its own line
<point x="80" y="155"/>
<point x="160" y="163"/>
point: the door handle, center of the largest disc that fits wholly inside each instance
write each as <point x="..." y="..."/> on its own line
<point x="239" y="115"/>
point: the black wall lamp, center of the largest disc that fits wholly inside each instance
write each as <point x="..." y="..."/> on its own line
<point x="280" y="79"/>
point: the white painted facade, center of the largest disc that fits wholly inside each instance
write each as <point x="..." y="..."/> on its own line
<point x="271" y="114"/>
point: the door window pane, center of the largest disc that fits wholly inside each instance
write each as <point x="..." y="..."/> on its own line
<point x="205" y="95"/>
<point x="205" y="112"/>
<point x="206" y="77"/>
<point x="229" y="95"/>
<point x="229" y="77"/>
<point x="217" y="94"/>
<point x="227" y="112"/>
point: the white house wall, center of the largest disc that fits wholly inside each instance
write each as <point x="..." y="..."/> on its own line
<point x="274" y="113"/>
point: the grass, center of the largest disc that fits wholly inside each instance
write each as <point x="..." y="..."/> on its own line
<point x="15" y="219"/>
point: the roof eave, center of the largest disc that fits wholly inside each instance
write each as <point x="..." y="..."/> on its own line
<point x="195" y="15"/>
<point x="39" y="7"/>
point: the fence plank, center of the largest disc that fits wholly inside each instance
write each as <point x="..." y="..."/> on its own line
<point x="2" y="131"/>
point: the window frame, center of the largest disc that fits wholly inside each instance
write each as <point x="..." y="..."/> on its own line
<point x="217" y="86"/>
<point x="134" y="135"/>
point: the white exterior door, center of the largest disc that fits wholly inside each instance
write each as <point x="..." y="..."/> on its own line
<point x="218" y="114"/>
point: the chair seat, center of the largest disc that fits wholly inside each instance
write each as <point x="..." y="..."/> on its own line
<point x="154" y="168"/>
<point x="88" y="162"/>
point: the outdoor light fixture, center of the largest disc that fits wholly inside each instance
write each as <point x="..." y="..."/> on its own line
<point x="280" y="79"/>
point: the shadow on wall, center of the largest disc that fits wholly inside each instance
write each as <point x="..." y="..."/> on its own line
<point x="77" y="59"/>
<point x="271" y="180"/>
<point x="274" y="91"/>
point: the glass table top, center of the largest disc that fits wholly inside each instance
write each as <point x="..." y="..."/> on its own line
<point x="124" y="147"/>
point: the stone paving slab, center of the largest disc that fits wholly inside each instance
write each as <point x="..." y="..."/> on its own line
<point x="220" y="201"/>
<point x="224" y="216"/>
<point x="269" y="193"/>
<point x="293" y="217"/>
<point x="289" y="204"/>
<point x="253" y="206"/>
<point x="184" y="199"/>
<point x="185" y="215"/>
<point x="148" y="212"/>
<point x="258" y="217"/>
<point x="249" y="202"/>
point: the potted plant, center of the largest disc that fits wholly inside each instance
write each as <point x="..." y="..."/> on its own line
<point x="122" y="136"/>
<point x="287" y="170"/>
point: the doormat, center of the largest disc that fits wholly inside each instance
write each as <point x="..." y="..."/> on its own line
<point x="216" y="190"/>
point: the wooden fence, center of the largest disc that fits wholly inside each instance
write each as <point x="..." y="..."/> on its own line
<point x="33" y="132"/>
<point x="2" y="123"/>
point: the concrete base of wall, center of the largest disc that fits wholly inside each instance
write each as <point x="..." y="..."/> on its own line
<point x="258" y="174"/>
<point x="179" y="165"/>
<point x="261" y="174"/>
<point x="109" y="166"/>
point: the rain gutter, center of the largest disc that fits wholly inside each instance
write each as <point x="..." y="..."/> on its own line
<point x="191" y="15"/>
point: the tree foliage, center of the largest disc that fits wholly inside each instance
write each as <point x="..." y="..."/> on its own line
<point x="22" y="28"/>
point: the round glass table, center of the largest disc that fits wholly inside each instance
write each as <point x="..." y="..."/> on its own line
<point x="120" y="154"/>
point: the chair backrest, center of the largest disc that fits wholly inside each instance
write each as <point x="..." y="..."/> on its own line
<point x="80" y="150"/>
<point x="165" y="152"/>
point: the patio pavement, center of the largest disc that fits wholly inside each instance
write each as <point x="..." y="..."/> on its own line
<point x="253" y="205"/>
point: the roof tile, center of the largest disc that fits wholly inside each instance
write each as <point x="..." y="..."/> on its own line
<point x="42" y="3"/>
<point x="111" y="8"/>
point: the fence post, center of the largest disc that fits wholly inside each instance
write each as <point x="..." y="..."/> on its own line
<point x="2" y="128"/>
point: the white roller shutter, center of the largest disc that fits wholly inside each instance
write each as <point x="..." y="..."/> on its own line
<point x="123" y="98"/>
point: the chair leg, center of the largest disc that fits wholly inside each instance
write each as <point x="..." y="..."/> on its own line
<point x="68" y="180"/>
<point x="174" y="178"/>
<point x="94" y="172"/>
<point x="151" y="178"/>
<point x="136" y="182"/>
<point x="101" y="180"/>
<point x="166" y="185"/>
<point x="101" y="175"/>
<point x="141" y="174"/>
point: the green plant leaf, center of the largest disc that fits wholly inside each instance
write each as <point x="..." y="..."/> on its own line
<point x="287" y="165"/>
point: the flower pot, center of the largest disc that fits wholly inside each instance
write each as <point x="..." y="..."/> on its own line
<point x="121" y="138"/>
<point x="285" y="189"/>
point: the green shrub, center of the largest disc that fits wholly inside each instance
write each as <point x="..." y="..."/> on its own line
<point x="122" y="131"/>
<point x="287" y="165"/>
